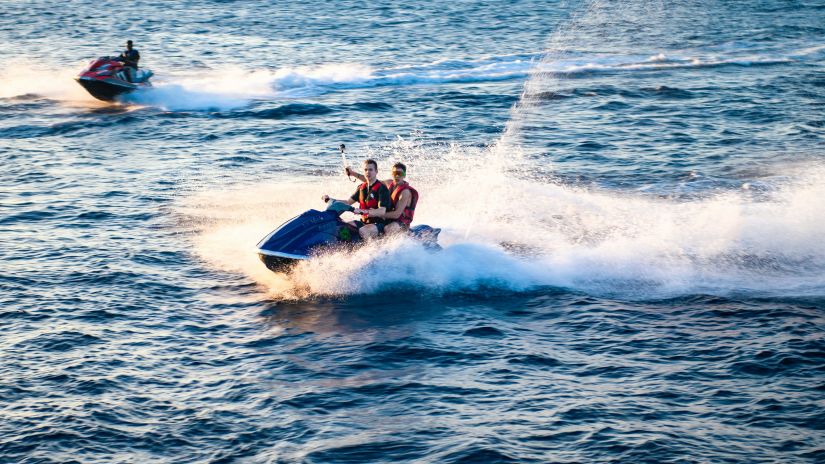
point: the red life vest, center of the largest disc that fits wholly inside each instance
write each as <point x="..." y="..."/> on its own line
<point x="395" y="193"/>
<point x="367" y="202"/>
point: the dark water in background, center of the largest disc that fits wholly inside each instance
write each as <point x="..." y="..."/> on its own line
<point x="633" y="271"/>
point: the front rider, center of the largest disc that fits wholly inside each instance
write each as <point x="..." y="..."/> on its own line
<point x="130" y="58"/>
<point x="403" y="199"/>
<point x="373" y="199"/>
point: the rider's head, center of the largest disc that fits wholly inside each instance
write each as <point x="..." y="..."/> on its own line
<point x="129" y="44"/>
<point x="399" y="172"/>
<point x="370" y="170"/>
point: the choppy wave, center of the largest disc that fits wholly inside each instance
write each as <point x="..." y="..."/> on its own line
<point x="139" y="326"/>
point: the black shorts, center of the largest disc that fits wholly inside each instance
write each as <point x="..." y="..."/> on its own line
<point x="404" y="227"/>
<point x="379" y="225"/>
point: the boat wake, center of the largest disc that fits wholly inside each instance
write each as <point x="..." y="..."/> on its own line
<point x="232" y="89"/>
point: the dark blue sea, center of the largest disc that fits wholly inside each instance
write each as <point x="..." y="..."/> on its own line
<point x="632" y="203"/>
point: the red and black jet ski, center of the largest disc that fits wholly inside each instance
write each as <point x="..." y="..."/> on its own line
<point x="105" y="78"/>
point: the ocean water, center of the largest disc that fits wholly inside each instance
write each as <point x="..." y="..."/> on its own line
<point x="631" y="197"/>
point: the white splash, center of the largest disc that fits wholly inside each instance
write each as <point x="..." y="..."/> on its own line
<point x="540" y="233"/>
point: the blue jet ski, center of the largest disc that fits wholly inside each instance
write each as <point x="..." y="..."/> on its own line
<point x="316" y="231"/>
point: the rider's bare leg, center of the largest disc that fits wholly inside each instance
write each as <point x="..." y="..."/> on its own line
<point x="368" y="231"/>
<point x="393" y="228"/>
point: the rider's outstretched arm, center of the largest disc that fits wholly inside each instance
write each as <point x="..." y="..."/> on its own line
<point x="361" y="177"/>
<point x="327" y="198"/>
<point x="352" y="173"/>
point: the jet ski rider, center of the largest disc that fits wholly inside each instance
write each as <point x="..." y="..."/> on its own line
<point x="130" y="58"/>
<point x="403" y="199"/>
<point x="373" y="199"/>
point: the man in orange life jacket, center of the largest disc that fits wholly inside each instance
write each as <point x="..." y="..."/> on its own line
<point x="403" y="199"/>
<point x="373" y="201"/>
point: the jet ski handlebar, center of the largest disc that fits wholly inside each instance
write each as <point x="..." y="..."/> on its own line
<point x="338" y="206"/>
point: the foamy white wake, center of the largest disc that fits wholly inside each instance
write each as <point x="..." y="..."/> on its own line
<point x="502" y="232"/>
<point x="230" y="89"/>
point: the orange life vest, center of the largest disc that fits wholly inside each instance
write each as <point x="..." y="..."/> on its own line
<point x="395" y="193"/>
<point x="367" y="201"/>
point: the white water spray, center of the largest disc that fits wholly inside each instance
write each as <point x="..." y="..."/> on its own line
<point x="603" y="243"/>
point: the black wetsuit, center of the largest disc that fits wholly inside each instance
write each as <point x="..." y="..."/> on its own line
<point x="130" y="58"/>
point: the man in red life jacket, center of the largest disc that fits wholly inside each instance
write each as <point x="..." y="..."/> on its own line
<point x="403" y="199"/>
<point x="373" y="199"/>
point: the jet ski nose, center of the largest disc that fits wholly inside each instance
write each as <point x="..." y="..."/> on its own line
<point x="277" y="263"/>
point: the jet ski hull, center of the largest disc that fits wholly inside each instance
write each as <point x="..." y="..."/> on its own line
<point x="106" y="90"/>
<point x="279" y="262"/>
<point x="316" y="232"/>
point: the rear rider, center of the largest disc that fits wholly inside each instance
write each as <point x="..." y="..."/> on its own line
<point x="373" y="199"/>
<point x="404" y="198"/>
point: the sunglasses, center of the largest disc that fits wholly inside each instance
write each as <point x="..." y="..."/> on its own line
<point x="396" y="172"/>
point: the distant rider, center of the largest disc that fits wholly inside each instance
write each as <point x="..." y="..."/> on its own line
<point x="373" y="199"/>
<point x="403" y="199"/>
<point x="130" y="58"/>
